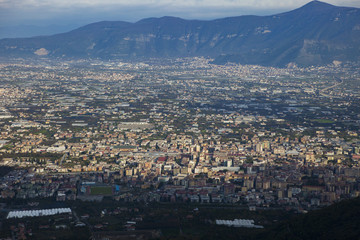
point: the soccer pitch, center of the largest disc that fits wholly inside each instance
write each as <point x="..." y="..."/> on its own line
<point x="101" y="190"/>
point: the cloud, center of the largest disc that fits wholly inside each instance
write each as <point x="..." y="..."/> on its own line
<point x="61" y="5"/>
<point x="102" y="3"/>
<point x="174" y="3"/>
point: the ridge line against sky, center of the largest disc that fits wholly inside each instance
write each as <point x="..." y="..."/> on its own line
<point x="76" y="13"/>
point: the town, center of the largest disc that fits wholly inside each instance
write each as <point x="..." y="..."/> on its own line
<point x="180" y="131"/>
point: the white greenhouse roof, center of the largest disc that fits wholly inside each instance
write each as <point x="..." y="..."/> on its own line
<point x="38" y="213"/>
<point x="238" y="223"/>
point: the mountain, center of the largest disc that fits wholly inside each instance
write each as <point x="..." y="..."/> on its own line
<point x="317" y="33"/>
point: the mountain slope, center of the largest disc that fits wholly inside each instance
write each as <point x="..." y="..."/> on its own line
<point x="317" y="33"/>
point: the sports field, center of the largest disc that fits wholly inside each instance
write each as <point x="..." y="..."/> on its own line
<point x="106" y="190"/>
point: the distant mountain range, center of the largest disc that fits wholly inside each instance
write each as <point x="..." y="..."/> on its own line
<point x="315" y="34"/>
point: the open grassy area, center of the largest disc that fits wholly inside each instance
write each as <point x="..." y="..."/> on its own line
<point x="323" y="121"/>
<point x="106" y="190"/>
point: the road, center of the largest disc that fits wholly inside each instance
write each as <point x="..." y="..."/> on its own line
<point x="63" y="158"/>
<point x="330" y="87"/>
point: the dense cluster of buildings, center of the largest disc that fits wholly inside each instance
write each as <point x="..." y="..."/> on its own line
<point x="180" y="131"/>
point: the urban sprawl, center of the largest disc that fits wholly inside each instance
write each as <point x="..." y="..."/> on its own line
<point x="180" y="130"/>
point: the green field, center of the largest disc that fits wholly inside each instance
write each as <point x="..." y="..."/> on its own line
<point x="322" y="120"/>
<point x="106" y="190"/>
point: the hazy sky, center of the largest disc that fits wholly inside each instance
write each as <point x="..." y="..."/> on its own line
<point x="78" y="12"/>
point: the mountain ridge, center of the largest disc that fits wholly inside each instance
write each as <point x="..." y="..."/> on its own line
<point x="314" y="34"/>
